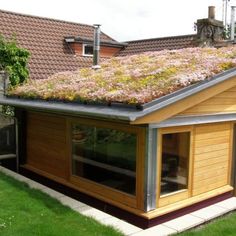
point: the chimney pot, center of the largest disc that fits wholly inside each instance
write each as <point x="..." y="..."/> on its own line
<point x="211" y="12"/>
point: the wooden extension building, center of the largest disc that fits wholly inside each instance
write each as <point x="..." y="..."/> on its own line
<point x="146" y="165"/>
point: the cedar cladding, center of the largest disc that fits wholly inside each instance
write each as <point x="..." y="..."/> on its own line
<point x="224" y="102"/>
<point x="211" y="157"/>
<point x="47" y="144"/>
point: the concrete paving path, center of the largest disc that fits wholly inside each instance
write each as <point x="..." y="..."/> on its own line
<point x="177" y="225"/>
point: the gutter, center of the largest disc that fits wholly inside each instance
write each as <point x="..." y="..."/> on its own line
<point x="118" y="113"/>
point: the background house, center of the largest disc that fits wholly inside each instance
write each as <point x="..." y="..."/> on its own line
<point x="54" y="45"/>
<point x="57" y="45"/>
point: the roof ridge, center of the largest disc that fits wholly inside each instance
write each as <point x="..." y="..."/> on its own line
<point x="165" y="37"/>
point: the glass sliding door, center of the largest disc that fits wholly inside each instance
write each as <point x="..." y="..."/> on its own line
<point x="175" y="162"/>
<point x="174" y="166"/>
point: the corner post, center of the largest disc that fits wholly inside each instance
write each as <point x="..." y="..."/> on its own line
<point x="150" y="170"/>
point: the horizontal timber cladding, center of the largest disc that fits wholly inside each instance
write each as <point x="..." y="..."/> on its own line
<point x="47" y="144"/>
<point x="212" y="157"/>
<point x="224" y="102"/>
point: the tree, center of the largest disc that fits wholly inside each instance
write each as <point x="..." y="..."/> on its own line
<point x="13" y="60"/>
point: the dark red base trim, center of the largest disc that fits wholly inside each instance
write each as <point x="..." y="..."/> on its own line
<point x="117" y="212"/>
<point x="189" y="209"/>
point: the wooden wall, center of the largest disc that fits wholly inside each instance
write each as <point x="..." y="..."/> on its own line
<point x="47" y="151"/>
<point x="47" y="144"/>
<point x="224" y="102"/>
<point x="212" y="154"/>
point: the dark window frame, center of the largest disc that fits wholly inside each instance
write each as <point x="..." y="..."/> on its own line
<point x="84" y="50"/>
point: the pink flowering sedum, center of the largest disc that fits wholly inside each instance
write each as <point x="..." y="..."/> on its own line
<point x="135" y="79"/>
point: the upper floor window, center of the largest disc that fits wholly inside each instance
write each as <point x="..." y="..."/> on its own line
<point x="87" y="50"/>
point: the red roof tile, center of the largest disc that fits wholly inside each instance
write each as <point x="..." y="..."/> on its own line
<point x="158" y="44"/>
<point x="44" y="38"/>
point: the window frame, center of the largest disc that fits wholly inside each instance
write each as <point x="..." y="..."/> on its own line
<point x="83" y="50"/>
<point x="105" y="192"/>
<point x="176" y="196"/>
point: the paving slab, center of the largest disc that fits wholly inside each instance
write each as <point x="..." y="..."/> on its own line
<point x="229" y="204"/>
<point x="94" y="213"/>
<point x="124" y="227"/>
<point x="8" y="172"/>
<point x="36" y="185"/>
<point x="70" y="202"/>
<point x="81" y="209"/>
<point x="184" y="222"/>
<point x="15" y="175"/>
<point x="210" y="212"/>
<point x="52" y="193"/>
<point x="159" y="230"/>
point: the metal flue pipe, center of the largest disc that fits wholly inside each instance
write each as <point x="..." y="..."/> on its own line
<point x="96" y="46"/>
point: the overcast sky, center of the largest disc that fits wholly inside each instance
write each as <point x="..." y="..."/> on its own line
<point x="123" y="19"/>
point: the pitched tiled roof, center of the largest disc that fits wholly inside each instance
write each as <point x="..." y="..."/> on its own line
<point x="44" y="38"/>
<point x="157" y="44"/>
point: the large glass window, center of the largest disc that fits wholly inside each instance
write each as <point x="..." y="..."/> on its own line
<point x="7" y="136"/>
<point x="105" y="156"/>
<point x="175" y="162"/>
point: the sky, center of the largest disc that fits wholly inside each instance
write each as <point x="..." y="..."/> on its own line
<point x="124" y="20"/>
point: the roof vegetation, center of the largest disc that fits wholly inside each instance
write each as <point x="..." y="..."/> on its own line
<point x="135" y="79"/>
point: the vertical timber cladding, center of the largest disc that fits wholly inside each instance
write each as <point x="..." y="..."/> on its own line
<point x="47" y="144"/>
<point x="212" y="156"/>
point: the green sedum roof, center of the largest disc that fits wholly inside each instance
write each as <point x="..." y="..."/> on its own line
<point x="136" y="79"/>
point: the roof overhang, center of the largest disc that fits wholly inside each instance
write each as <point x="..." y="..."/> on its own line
<point x="119" y="113"/>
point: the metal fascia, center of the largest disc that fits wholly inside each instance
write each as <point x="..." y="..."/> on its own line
<point x="193" y="120"/>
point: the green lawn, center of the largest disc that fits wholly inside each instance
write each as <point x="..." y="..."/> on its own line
<point x="224" y="226"/>
<point x="25" y="211"/>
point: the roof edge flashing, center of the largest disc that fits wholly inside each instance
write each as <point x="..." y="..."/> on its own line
<point x="188" y="91"/>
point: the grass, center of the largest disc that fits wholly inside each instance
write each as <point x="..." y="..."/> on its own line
<point x="223" y="226"/>
<point x="25" y="211"/>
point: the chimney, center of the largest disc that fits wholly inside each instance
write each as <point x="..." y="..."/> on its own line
<point x="96" y="46"/>
<point x="232" y="23"/>
<point x="209" y="30"/>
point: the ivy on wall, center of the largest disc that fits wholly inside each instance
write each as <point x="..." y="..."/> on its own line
<point x="13" y="60"/>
